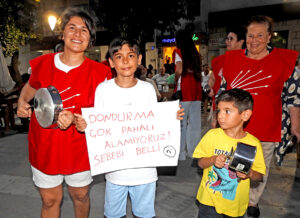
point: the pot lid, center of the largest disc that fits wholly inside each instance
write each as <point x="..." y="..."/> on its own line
<point x="47" y="104"/>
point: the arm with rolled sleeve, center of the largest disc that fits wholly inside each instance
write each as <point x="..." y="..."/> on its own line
<point x="291" y="96"/>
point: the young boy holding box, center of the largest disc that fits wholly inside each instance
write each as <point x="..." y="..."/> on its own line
<point x="126" y="91"/>
<point x="224" y="192"/>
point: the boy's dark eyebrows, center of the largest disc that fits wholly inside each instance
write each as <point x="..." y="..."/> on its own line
<point x="119" y="53"/>
<point x="134" y="52"/>
<point x="132" y="49"/>
<point x="116" y="53"/>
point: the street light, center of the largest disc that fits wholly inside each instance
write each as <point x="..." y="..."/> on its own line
<point x="52" y="21"/>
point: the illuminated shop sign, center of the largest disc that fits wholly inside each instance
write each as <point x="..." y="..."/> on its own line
<point x="168" y="40"/>
<point x="195" y="38"/>
<point x="172" y="40"/>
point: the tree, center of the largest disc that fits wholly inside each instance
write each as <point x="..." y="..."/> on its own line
<point x="139" y="20"/>
<point x="136" y="18"/>
<point x="16" y="26"/>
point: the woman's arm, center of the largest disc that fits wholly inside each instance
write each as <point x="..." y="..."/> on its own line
<point x="211" y="83"/>
<point x="65" y="119"/>
<point x="295" y="121"/>
<point x="291" y="96"/>
<point x="178" y="70"/>
<point x="27" y="93"/>
<point x="211" y="80"/>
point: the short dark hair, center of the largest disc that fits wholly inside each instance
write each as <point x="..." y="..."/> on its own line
<point x="261" y="19"/>
<point x="85" y="16"/>
<point x="239" y="31"/>
<point x="242" y="99"/>
<point x="117" y="43"/>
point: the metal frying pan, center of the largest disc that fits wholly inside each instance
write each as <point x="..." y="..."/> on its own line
<point x="242" y="158"/>
<point x="47" y="105"/>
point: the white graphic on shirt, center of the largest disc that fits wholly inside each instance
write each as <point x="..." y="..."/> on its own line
<point x="66" y="99"/>
<point x="65" y="108"/>
<point x="64" y="90"/>
<point x="243" y="82"/>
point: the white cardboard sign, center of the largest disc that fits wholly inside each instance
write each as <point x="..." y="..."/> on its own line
<point x="122" y="138"/>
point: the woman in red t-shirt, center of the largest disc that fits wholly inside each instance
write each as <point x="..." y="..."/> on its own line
<point x="60" y="154"/>
<point x="188" y="80"/>
<point x="268" y="74"/>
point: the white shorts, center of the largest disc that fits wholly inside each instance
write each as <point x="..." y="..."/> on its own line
<point x="43" y="180"/>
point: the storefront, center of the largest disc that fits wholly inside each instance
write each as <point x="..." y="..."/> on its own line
<point x="167" y="44"/>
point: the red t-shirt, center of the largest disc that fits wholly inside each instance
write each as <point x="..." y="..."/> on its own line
<point x="113" y="70"/>
<point x="191" y="88"/>
<point x="264" y="79"/>
<point x="54" y="151"/>
<point x="217" y="68"/>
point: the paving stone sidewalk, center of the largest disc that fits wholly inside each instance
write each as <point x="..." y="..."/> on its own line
<point x="176" y="188"/>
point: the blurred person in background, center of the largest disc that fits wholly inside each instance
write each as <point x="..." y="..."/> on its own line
<point x="234" y="40"/>
<point x="161" y="80"/>
<point x="141" y="73"/>
<point x="206" y="99"/>
<point x="188" y="79"/>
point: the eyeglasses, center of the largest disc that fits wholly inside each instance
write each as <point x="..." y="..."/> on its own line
<point x="229" y="38"/>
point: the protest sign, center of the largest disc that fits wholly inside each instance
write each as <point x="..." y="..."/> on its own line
<point x="121" y="138"/>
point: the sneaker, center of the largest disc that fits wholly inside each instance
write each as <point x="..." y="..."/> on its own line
<point x="253" y="211"/>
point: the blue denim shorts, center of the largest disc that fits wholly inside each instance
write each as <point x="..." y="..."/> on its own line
<point x="142" y="200"/>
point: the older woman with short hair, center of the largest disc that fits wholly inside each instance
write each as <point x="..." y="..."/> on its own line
<point x="268" y="74"/>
